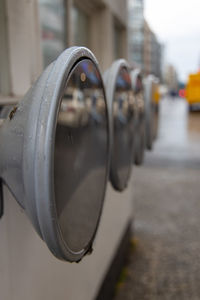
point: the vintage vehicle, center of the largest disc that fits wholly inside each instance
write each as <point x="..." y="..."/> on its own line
<point x="66" y="153"/>
<point x="193" y="91"/>
<point x="66" y="157"/>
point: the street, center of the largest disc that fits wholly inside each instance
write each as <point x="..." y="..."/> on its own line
<point x="164" y="262"/>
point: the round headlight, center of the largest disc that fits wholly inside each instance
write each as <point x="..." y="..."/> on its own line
<point x="55" y="153"/>
<point x="122" y="113"/>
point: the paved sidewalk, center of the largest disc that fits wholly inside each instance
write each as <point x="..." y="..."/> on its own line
<point x="165" y="261"/>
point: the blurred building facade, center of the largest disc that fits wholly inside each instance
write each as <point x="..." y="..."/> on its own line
<point x="33" y="33"/>
<point x="171" y="77"/>
<point x="136" y="32"/>
<point x="144" y="47"/>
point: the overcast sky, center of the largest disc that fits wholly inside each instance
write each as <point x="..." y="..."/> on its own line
<point x="177" y="24"/>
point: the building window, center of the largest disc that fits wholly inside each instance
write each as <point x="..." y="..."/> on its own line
<point x="53" y="33"/>
<point x="80" y="27"/>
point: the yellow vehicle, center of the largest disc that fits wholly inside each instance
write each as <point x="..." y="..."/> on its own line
<point x="156" y="92"/>
<point x="193" y="90"/>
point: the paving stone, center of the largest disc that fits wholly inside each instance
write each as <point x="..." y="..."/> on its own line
<point x="165" y="261"/>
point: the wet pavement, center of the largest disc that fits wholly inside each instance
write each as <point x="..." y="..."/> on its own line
<point x="164" y="262"/>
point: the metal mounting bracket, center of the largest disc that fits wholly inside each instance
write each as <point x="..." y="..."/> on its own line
<point x="1" y="198"/>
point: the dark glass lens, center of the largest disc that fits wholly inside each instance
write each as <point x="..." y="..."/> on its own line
<point x="81" y="155"/>
<point x="123" y="126"/>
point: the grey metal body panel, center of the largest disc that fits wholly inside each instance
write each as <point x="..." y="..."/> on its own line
<point x="28" y="270"/>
